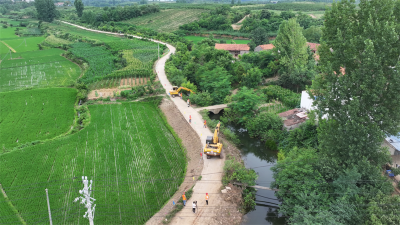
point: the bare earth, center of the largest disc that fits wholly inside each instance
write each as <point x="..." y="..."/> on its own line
<point x="104" y="93"/>
<point x="236" y="26"/>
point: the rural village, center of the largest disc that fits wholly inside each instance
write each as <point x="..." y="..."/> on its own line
<point x="200" y="112"/>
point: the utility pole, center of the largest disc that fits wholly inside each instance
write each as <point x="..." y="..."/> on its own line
<point x="86" y="199"/>
<point x="48" y="206"/>
<point x="10" y="52"/>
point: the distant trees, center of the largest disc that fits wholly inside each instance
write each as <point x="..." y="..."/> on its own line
<point x="46" y="10"/>
<point x="79" y="7"/>
<point x="118" y="13"/>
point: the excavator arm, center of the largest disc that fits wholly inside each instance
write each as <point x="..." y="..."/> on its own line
<point x="186" y="89"/>
<point x="176" y="92"/>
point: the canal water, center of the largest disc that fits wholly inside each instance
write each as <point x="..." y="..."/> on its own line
<point x="255" y="156"/>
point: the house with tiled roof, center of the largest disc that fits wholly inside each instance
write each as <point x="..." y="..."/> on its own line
<point x="234" y="49"/>
<point x="264" y="47"/>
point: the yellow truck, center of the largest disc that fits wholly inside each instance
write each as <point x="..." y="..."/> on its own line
<point x="175" y="91"/>
<point x="213" y="146"/>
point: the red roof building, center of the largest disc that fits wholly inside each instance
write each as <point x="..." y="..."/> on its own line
<point x="234" y="49"/>
<point x="264" y="47"/>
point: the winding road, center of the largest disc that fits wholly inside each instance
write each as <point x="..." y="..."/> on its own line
<point x="212" y="169"/>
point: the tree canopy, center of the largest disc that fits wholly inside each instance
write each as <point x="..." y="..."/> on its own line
<point x="46" y="10"/>
<point x="79" y="7"/>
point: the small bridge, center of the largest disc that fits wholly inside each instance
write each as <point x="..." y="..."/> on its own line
<point x="258" y="187"/>
<point x="213" y="108"/>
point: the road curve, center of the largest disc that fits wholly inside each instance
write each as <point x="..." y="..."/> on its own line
<point x="212" y="169"/>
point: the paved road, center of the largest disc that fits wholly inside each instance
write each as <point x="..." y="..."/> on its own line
<point x="212" y="170"/>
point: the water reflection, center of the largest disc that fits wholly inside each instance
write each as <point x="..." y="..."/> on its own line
<point x="254" y="155"/>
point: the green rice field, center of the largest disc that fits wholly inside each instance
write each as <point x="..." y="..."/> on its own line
<point x="197" y="39"/>
<point x="127" y="150"/>
<point x="36" y="114"/>
<point x="44" y="68"/>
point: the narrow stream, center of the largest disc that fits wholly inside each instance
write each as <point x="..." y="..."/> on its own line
<point x="255" y="156"/>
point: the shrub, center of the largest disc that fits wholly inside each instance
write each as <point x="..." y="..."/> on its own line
<point x="231" y="136"/>
<point x="271" y="145"/>
<point x="263" y="123"/>
<point x="201" y="99"/>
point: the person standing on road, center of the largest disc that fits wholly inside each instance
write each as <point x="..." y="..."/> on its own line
<point x="184" y="199"/>
<point x="180" y="95"/>
<point x="188" y="102"/>
<point x="190" y="119"/>
<point x="205" y="123"/>
<point x="207" y="198"/>
<point x="194" y="207"/>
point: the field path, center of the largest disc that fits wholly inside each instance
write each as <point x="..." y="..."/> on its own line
<point x="212" y="169"/>
<point x="236" y="26"/>
<point x="8" y="46"/>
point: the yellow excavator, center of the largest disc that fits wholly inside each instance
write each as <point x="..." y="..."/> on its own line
<point x="213" y="146"/>
<point x="175" y="90"/>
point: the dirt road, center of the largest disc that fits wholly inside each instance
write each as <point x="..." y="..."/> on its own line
<point x="212" y="168"/>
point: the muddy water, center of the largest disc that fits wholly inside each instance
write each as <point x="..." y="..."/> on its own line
<point x="255" y="156"/>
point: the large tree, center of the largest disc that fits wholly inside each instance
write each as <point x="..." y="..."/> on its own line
<point x="259" y="36"/>
<point x="79" y="7"/>
<point x="295" y="59"/>
<point x="359" y="84"/>
<point x="46" y="10"/>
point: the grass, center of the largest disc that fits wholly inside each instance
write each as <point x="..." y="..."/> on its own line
<point x="167" y="20"/>
<point x="197" y="39"/>
<point x="36" y="114"/>
<point x="46" y="68"/>
<point x="134" y="160"/>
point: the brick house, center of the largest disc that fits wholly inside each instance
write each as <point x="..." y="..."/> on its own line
<point x="234" y="49"/>
<point x="264" y="47"/>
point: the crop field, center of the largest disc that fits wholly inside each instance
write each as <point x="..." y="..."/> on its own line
<point x="100" y="59"/>
<point x="127" y="150"/>
<point x="37" y="69"/>
<point x="37" y="114"/>
<point x="167" y="20"/>
<point x="84" y="33"/>
<point x="7" y="212"/>
<point x="7" y="33"/>
<point x="197" y="39"/>
<point x="21" y="44"/>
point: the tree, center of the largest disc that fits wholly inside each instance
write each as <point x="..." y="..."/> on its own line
<point x="265" y="14"/>
<point x="239" y="2"/>
<point x="46" y="10"/>
<point x="79" y="7"/>
<point x="217" y="82"/>
<point x="359" y="84"/>
<point x="295" y="59"/>
<point x="313" y="34"/>
<point x="232" y="2"/>
<point x="252" y="78"/>
<point x="383" y="209"/>
<point x="245" y="104"/>
<point x="259" y="36"/>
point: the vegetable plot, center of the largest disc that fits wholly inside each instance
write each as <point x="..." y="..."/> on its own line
<point x="134" y="160"/>
<point x="38" y="114"/>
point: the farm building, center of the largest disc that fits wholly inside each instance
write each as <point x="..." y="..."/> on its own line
<point x="59" y="4"/>
<point x="264" y="47"/>
<point x="234" y="49"/>
<point x="293" y="118"/>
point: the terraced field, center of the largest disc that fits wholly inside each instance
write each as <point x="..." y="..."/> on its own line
<point x="38" y="114"/>
<point x="167" y="20"/>
<point x="134" y="160"/>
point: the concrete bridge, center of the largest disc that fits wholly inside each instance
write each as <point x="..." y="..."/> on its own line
<point x="213" y="108"/>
